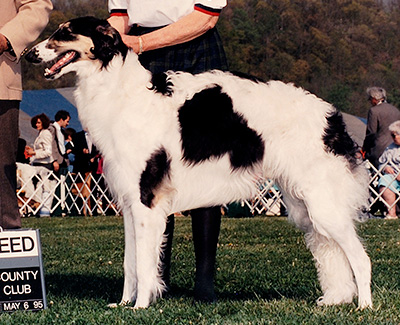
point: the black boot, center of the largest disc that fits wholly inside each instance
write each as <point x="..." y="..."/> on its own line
<point x="167" y="252"/>
<point x="205" y="226"/>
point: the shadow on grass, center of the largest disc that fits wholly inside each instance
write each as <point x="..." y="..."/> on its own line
<point x="294" y="293"/>
<point x="271" y="294"/>
<point x="110" y="289"/>
<point x="84" y="286"/>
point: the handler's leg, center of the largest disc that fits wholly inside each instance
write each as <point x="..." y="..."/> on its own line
<point x="9" y="214"/>
<point x="205" y="226"/>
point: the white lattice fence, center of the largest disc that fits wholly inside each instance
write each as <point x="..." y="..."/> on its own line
<point x="376" y="194"/>
<point x="268" y="200"/>
<point x="40" y="189"/>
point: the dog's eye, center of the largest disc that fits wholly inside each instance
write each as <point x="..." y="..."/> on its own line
<point x="64" y="34"/>
<point x="66" y="30"/>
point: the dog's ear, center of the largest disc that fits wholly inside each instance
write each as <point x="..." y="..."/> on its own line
<point x="107" y="43"/>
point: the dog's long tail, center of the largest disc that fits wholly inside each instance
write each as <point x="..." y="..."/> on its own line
<point x="339" y="142"/>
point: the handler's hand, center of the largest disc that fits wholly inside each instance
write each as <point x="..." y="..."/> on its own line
<point x="3" y="44"/>
<point x="132" y="42"/>
<point x="56" y="166"/>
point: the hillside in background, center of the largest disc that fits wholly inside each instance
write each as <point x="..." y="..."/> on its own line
<point x="335" y="49"/>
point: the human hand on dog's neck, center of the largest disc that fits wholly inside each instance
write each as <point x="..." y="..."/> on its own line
<point x="186" y="29"/>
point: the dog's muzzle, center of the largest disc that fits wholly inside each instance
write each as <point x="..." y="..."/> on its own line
<point x="42" y="53"/>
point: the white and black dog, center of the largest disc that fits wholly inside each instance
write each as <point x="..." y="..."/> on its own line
<point x="159" y="135"/>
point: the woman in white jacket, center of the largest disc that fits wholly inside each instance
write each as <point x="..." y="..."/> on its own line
<point x="42" y="148"/>
<point x="42" y="158"/>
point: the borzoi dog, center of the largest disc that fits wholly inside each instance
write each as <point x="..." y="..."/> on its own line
<point x="161" y="134"/>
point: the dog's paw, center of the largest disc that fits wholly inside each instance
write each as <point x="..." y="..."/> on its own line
<point x="320" y="301"/>
<point x="141" y="304"/>
<point x="115" y="305"/>
<point x="365" y="304"/>
<point x="330" y="301"/>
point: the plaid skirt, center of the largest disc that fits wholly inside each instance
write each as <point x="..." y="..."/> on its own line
<point x="199" y="55"/>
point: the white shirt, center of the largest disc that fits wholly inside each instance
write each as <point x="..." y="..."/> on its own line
<point x="60" y="137"/>
<point x="89" y="141"/>
<point x="157" y="13"/>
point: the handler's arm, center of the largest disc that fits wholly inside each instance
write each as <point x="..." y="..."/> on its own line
<point x="26" y="26"/>
<point x="187" y="28"/>
<point x="120" y="23"/>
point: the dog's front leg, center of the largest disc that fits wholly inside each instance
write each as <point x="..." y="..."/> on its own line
<point x="149" y="229"/>
<point x="130" y="277"/>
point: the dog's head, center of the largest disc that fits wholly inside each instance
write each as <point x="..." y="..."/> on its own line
<point x="81" y="39"/>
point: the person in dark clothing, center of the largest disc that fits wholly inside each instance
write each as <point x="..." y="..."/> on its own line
<point x="380" y="116"/>
<point x="85" y="152"/>
<point x="86" y="161"/>
<point x="21" y="158"/>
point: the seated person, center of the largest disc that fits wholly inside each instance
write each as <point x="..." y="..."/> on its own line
<point x="389" y="183"/>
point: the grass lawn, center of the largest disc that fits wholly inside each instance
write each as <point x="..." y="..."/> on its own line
<point x="265" y="275"/>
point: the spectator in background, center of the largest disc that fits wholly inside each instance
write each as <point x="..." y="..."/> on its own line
<point x="21" y="22"/>
<point x="42" y="156"/>
<point x="85" y="153"/>
<point x="70" y="158"/>
<point x="86" y="158"/>
<point x="42" y="147"/>
<point x="380" y="116"/>
<point x="69" y="133"/>
<point x="62" y="119"/>
<point x="60" y="165"/>
<point x="22" y="155"/>
<point x="389" y="183"/>
<point x="180" y="36"/>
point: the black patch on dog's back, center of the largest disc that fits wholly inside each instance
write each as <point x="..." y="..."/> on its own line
<point x="337" y="140"/>
<point x="157" y="169"/>
<point x="210" y="128"/>
<point x="161" y="84"/>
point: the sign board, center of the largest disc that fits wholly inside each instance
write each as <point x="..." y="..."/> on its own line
<point x="21" y="271"/>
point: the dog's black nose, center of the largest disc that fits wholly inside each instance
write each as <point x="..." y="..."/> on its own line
<point x="33" y="56"/>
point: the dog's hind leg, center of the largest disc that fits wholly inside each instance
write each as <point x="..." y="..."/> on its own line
<point x="334" y="271"/>
<point x="149" y="228"/>
<point x="361" y="266"/>
<point x="338" y="252"/>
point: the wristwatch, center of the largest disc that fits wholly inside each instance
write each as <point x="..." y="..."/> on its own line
<point x="9" y="48"/>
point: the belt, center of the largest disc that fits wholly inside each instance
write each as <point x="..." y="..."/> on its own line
<point x="137" y="30"/>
